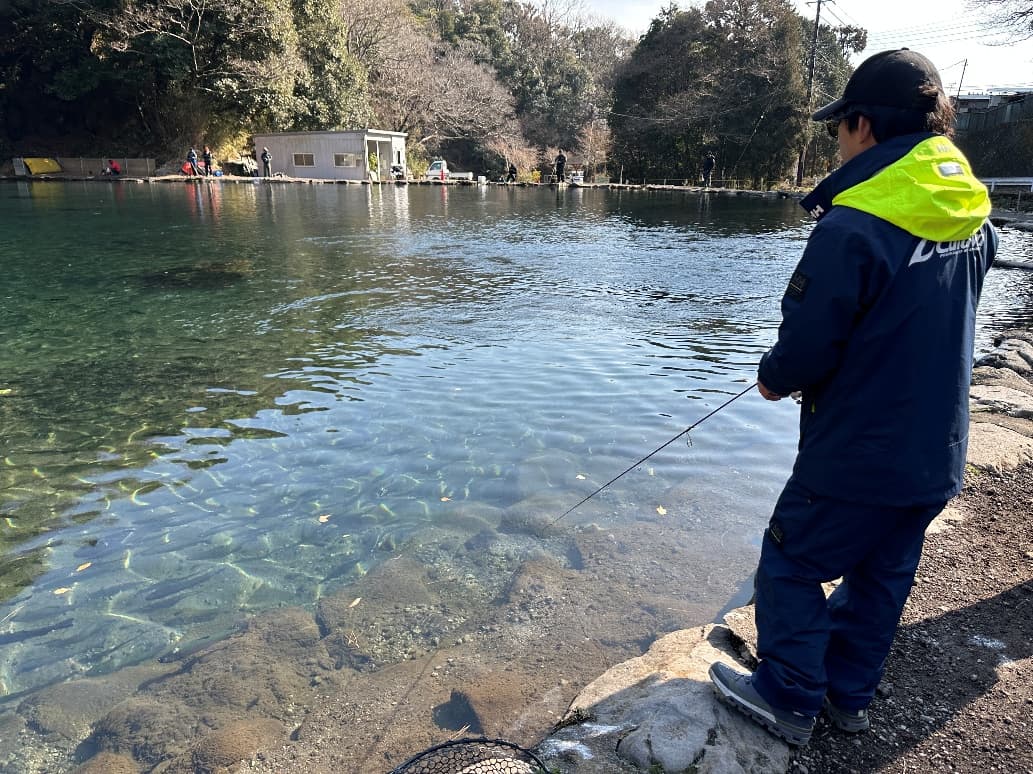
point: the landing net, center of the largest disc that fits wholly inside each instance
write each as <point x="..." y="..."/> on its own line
<point x="474" y="756"/>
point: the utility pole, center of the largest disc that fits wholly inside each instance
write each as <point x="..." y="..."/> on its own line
<point x="801" y="160"/>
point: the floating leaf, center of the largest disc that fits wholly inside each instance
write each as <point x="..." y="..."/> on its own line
<point x="324" y="518"/>
<point x="355" y="601"/>
<point x="82" y="567"/>
<point x="62" y="590"/>
<point x="661" y="510"/>
<point x="5" y="392"/>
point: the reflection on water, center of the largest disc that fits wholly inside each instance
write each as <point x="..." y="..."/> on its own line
<point x="221" y="400"/>
<point x="1008" y="293"/>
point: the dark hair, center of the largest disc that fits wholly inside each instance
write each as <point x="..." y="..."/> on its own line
<point x="888" y="122"/>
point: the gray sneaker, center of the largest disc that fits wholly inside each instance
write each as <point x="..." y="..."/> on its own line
<point x="853" y="722"/>
<point x="736" y="689"/>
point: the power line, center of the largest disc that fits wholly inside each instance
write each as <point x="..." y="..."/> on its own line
<point x="943" y="32"/>
<point x="967" y="31"/>
<point x="956" y="29"/>
<point x="938" y="27"/>
<point x="952" y="31"/>
<point x="832" y="13"/>
<point x="922" y="28"/>
<point x="888" y="42"/>
<point x="853" y="21"/>
<point x="998" y="87"/>
<point x="963" y="32"/>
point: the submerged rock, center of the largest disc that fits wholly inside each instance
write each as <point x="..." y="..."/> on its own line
<point x="70" y="709"/>
<point x="226" y="746"/>
<point x="535" y="516"/>
<point x="202" y="276"/>
<point x="108" y="763"/>
<point x="147" y="729"/>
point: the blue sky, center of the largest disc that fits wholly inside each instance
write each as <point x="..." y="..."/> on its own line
<point x="947" y="31"/>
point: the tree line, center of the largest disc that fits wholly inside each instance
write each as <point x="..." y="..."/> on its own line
<point x="484" y="82"/>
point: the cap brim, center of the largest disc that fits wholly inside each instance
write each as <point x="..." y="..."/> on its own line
<point x="830" y="110"/>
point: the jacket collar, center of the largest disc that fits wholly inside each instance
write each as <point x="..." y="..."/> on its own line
<point x="861" y="167"/>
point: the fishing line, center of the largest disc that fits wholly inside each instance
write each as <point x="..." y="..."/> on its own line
<point x="657" y="449"/>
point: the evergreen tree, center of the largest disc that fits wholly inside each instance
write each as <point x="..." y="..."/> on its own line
<point x="729" y="79"/>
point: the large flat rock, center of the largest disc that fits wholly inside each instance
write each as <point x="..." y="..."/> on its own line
<point x="1001" y="377"/>
<point x="999" y="399"/>
<point x="997" y="448"/>
<point x="659" y="709"/>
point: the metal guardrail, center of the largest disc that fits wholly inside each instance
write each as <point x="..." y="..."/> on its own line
<point x="1007" y="182"/>
<point x="683" y="182"/>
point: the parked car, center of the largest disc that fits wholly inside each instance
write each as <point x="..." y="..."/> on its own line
<point x="438" y="170"/>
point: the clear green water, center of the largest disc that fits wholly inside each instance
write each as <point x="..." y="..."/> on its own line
<point x="220" y="399"/>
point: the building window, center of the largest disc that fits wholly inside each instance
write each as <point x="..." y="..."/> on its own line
<point x="346" y="160"/>
<point x="304" y="160"/>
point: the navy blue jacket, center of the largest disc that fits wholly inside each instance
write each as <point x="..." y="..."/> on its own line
<point x="878" y="324"/>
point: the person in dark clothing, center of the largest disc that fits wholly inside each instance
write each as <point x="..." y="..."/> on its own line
<point x="192" y="161"/>
<point x="561" y="165"/>
<point x="267" y="160"/>
<point x="709" y="162"/>
<point x="206" y="155"/>
<point x="895" y="262"/>
<point x="511" y="177"/>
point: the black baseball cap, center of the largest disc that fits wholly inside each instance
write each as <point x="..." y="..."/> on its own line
<point x="892" y="79"/>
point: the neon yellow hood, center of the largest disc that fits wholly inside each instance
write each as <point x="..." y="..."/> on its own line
<point x="930" y="192"/>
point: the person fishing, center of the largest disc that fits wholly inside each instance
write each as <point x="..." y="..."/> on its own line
<point x="878" y="324"/>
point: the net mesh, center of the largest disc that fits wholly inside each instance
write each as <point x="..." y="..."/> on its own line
<point x="473" y="756"/>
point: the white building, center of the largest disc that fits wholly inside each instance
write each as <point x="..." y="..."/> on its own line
<point x="333" y="155"/>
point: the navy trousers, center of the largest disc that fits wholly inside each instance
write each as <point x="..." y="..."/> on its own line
<point x="809" y="646"/>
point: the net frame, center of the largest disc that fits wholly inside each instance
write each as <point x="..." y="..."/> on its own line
<point x="485" y="757"/>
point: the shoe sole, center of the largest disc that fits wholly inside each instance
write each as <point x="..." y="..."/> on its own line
<point x="733" y="700"/>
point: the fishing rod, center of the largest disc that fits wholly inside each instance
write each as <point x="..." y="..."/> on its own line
<point x="657" y="449"/>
